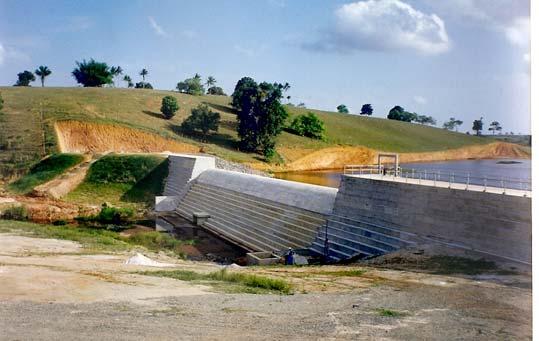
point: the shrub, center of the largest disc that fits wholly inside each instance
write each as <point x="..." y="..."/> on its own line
<point x="216" y="90"/>
<point x="92" y="73"/>
<point x="143" y="85"/>
<point x="114" y="215"/>
<point x="169" y="106"/>
<point x="202" y="119"/>
<point x="15" y="213"/>
<point x="191" y="86"/>
<point x="308" y="125"/>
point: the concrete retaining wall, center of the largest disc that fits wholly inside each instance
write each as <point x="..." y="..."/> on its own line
<point x="491" y="224"/>
<point x="313" y="198"/>
<point x="184" y="168"/>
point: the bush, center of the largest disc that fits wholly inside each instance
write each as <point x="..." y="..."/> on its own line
<point x="216" y="90"/>
<point x="308" y="125"/>
<point x="191" y="86"/>
<point x="143" y="85"/>
<point x="202" y="119"/>
<point x="114" y="215"/>
<point x="15" y="213"/>
<point x="169" y="106"/>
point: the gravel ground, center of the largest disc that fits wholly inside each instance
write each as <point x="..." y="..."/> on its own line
<point x="51" y="291"/>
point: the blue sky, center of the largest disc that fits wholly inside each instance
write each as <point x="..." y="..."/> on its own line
<point x="461" y="58"/>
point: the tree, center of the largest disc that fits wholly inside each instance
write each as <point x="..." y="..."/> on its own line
<point x="452" y="124"/>
<point x="128" y="80"/>
<point x="308" y="125"/>
<point x="423" y="119"/>
<point x="1" y="102"/>
<point x="143" y="73"/>
<point x="495" y="126"/>
<point x="398" y="113"/>
<point x="143" y="85"/>
<point x="260" y="115"/>
<point x="477" y="126"/>
<point x="342" y="109"/>
<point x="169" y="106"/>
<point x="191" y="86"/>
<point x="210" y="82"/>
<point x="202" y="119"/>
<point x="366" y="109"/>
<point x="43" y="72"/>
<point x="24" y="78"/>
<point x="116" y="71"/>
<point x="216" y="90"/>
<point x="92" y="74"/>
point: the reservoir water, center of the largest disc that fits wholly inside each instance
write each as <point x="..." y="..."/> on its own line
<point x="515" y="172"/>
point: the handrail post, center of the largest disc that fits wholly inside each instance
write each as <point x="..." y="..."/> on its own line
<point x="503" y="186"/>
<point x="467" y="180"/>
<point x="485" y="183"/>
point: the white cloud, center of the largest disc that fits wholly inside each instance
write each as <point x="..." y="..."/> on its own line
<point x="518" y="32"/>
<point x="420" y="99"/>
<point x="156" y="28"/>
<point x="384" y="25"/>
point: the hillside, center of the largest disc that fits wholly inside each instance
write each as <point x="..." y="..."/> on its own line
<point x="30" y="115"/>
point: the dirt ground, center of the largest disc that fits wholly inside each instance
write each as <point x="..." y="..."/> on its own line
<point x="51" y="289"/>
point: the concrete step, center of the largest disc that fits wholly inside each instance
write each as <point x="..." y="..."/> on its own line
<point x="356" y="232"/>
<point x="293" y="227"/>
<point x="231" y="222"/>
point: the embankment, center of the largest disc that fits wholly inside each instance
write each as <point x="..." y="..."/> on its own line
<point x="85" y="137"/>
<point x="338" y="157"/>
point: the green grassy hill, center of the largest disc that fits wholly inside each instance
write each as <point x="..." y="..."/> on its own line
<point x="29" y="114"/>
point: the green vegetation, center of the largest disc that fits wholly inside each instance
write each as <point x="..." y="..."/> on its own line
<point x="342" y="109"/>
<point x="24" y="78"/>
<point x="477" y="126"/>
<point x="169" y="106"/>
<point x="341" y="273"/>
<point x="308" y="125"/>
<point x="92" y="74"/>
<point x="260" y="115"/>
<point x="202" y="119"/>
<point x="129" y="82"/>
<point x="389" y="313"/>
<point x="366" y="109"/>
<point x="123" y="180"/>
<point x="111" y="215"/>
<point x="139" y="109"/>
<point x="399" y="114"/>
<point x="46" y="170"/>
<point x="216" y="90"/>
<point x="248" y="283"/>
<point x="495" y="127"/>
<point x="191" y="86"/>
<point x="43" y="72"/>
<point x="18" y="212"/>
<point x="452" y="124"/>
<point x="98" y="239"/>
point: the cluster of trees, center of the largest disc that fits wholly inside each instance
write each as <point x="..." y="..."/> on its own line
<point x="26" y="77"/>
<point x="195" y="86"/>
<point x="308" y="125"/>
<point x="260" y="115"/>
<point x="398" y="113"/>
<point x="97" y="74"/>
<point x="366" y="109"/>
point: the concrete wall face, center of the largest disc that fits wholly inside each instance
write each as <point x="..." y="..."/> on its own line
<point x="184" y="168"/>
<point x="491" y="223"/>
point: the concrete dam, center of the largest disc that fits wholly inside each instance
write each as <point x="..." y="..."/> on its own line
<point x="366" y="216"/>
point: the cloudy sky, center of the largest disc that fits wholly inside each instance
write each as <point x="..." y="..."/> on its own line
<point x="460" y="58"/>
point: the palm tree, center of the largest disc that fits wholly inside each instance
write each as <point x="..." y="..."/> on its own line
<point x="43" y="72"/>
<point x="143" y="73"/>
<point x="197" y="76"/>
<point x="128" y="80"/>
<point x="116" y="71"/>
<point x="210" y="82"/>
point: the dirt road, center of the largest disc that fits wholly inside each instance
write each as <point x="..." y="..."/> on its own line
<point x="50" y="289"/>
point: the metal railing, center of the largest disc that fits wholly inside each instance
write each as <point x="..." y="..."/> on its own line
<point x="444" y="178"/>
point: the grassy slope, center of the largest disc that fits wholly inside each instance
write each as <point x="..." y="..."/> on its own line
<point x="124" y="180"/>
<point x="44" y="171"/>
<point x="140" y="109"/>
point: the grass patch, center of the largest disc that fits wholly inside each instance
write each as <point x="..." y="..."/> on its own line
<point x="123" y="180"/>
<point x="98" y="239"/>
<point x="241" y="282"/>
<point x="45" y="170"/>
<point x="340" y="273"/>
<point x="389" y="313"/>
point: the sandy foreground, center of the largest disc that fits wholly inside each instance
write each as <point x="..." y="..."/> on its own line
<point x="51" y="290"/>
